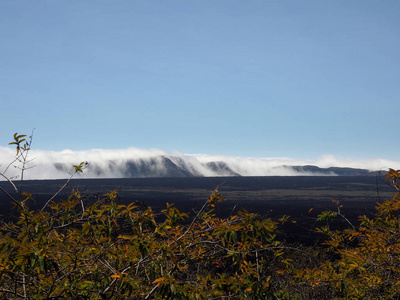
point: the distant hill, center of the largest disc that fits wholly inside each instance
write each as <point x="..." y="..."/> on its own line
<point x="332" y="171"/>
<point x="178" y="166"/>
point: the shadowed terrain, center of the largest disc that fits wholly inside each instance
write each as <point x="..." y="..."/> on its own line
<point x="272" y="197"/>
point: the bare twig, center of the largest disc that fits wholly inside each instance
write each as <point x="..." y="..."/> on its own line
<point x="108" y="287"/>
<point x="11" y="292"/>
<point x="59" y="191"/>
<point x="12" y="199"/>
<point x="10" y="181"/>
<point x="191" y="224"/>
<point x="347" y="220"/>
<point x="151" y="292"/>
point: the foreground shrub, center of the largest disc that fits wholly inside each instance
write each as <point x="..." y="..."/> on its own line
<point x="104" y="250"/>
<point x="366" y="261"/>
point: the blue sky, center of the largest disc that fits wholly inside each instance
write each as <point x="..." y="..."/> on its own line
<point x="297" y="79"/>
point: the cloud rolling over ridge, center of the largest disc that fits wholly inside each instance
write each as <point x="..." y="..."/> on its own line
<point x="134" y="162"/>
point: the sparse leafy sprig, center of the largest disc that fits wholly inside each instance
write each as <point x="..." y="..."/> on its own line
<point x="18" y="140"/>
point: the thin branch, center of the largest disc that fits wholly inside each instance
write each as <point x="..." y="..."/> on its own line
<point x="11" y="163"/>
<point x="77" y="169"/>
<point x="58" y="192"/>
<point x="10" y="181"/>
<point x="108" y="287"/>
<point x="151" y="292"/>
<point x="24" y="285"/>
<point x="191" y="224"/>
<point x="347" y="220"/>
<point x="12" y="199"/>
<point x="11" y="292"/>
<point x="24" y="155"/>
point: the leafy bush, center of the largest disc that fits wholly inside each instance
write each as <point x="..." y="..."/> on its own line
<point x="104" y="250"/>
<point x="367" y="264"/>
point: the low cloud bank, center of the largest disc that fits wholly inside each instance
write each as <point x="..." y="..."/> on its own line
<point x="133" y="162"/>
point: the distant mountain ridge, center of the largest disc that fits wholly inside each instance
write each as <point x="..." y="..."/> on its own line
<point x="335" y="171"/>
<point x="181" y="166"/>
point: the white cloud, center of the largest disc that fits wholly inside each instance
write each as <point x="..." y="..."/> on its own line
<point x="374" y="164"/>
<point x="113" y="163"/>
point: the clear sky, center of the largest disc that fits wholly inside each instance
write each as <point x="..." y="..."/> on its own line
<point x="260" y="78"/>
